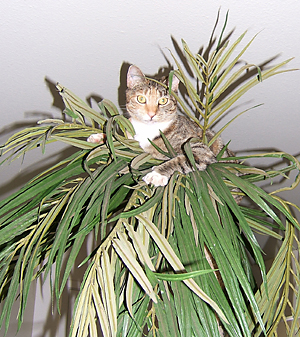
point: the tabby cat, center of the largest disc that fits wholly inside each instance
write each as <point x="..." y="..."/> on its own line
<point x="153" y="109"/>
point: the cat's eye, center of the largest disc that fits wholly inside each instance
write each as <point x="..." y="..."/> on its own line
<point x="163" y="101"/>
<point x="141" y="99"/>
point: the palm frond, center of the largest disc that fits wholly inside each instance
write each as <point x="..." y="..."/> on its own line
<point x="217" y="77"/>
<point x="151" y="270"/>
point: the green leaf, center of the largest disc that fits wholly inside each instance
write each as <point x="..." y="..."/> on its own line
<point x="78" y="107"/>
<point x="182" y="276"/>
<point x="109" y="137"/>
<point x="70" y="113"/>
<point x="143" y="208"/>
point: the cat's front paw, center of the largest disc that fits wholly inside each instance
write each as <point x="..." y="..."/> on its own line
<point x="97" y="138"/>
<point x="156" y="179"/>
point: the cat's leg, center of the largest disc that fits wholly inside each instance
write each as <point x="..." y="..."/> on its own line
<point x="160" y="174"/>
<point x="156" y="178"/>
<point x="97" y="138"/>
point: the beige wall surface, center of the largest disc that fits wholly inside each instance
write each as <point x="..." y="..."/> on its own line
<point x="86" y="45"/>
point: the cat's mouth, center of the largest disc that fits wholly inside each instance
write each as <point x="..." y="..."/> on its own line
<point x="149" y="119"/>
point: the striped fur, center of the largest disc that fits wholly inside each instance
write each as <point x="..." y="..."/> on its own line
<point x="149" y="117"/>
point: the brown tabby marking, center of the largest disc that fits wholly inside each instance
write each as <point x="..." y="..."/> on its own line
<point x="151" y="109"/>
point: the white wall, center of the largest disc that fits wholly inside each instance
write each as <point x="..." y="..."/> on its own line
<point x="83" y="45"/>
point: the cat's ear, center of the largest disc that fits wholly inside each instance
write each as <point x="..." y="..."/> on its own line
<point x="175" y="83"/>
<point x="134" y="77"/>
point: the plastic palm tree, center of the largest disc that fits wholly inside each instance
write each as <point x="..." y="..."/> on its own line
<point x="148" y="274"/>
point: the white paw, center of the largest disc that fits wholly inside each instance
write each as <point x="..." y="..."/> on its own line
<point x="156" y="179"/>
<point x="96" y="138"/>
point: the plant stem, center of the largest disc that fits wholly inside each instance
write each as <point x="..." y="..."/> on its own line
<point x="207" y="104"/>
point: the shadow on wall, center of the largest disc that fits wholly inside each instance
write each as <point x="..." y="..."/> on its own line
<point x="57" y="101"/>
<point x="33" y="170"/>
<point x="51" y="322"/>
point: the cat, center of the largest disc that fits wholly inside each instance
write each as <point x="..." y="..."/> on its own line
<point x="153" y="109"/>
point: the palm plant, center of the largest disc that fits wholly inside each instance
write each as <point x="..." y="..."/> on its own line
<point x="148" y="274"/>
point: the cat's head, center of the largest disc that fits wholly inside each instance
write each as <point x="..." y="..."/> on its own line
<point x="148" y="101"/>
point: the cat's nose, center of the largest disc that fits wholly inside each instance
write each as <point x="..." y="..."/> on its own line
<point x="151" y="114"/>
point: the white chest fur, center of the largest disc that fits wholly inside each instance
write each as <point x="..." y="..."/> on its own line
<point x="145" y="131"/>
